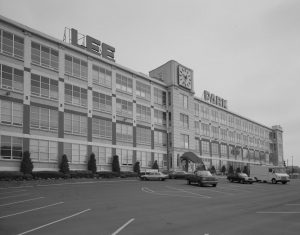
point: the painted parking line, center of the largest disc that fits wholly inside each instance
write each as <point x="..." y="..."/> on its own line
<point x="189" y="192"/>
<point x="123" y="226"/>
<point x="13" y="192"/>
<point x="12" y="203"/>
<point x="54" y="222"/>
<point x="85" y="182"/>
<point x="292" y="204"/>
<point x="171" y="194"/>
<point x="35" y="209"/>
<point x="278" y="212"/>
<point x="20" y="195"/>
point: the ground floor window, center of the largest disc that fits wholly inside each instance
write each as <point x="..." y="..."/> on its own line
<point x="43" y="150"/>
<point x="76" y="153"/>
<point x="103" y="155"/>
<point x="11" y="147"/>
<point x="125" y="156"/>
<point x="144" y="158"/>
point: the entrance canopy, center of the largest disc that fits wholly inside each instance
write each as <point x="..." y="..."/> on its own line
<point x="190" y="156"/>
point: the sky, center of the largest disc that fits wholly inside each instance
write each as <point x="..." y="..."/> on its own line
<point x="245" y="51"/>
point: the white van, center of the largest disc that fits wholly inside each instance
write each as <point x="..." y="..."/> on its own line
<point x="271" y="174"/>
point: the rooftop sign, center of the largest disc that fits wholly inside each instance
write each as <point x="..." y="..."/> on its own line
<point x="95" y="46"/>
<point x="213" y="99"/>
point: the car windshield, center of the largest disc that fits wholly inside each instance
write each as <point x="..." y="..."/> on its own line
<point x="243" y="174"/>
<point x="279" y="170"/>
<point x="204" y="173"/>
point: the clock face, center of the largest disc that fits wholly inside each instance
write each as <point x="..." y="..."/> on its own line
<point x="184" y="77"/>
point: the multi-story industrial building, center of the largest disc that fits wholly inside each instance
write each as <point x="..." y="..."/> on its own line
<point x="59" y="97"/>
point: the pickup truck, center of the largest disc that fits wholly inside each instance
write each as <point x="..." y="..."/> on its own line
<point x="202" y="178"/>
<point x="241" y="178"/>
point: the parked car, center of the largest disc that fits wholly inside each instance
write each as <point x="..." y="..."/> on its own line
<point x="178" y="174"/>
<point x="202" y="178"/>
<point x="153" y="176"/>
<point x="241" y="178"/>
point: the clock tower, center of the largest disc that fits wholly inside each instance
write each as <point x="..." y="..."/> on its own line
<point x="179" y="83"/>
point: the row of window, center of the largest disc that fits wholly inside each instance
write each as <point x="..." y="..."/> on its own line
<point x="213" y="114"/>
<point x="11" y="44"/>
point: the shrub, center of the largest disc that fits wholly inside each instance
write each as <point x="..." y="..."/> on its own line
<point x="47" y="175"/>
<point x="223" y="169"/>
<point x="230" y="170"/>
<point x="201" y="167"/>
<point x="26" y="163"/>
<point x="64" y="165"/>
<point x="11" y="175"/>
<point x="136" y="168"/>
<point x="213" y="170"/>
<point x="81" y="174"/>
<point x="155" y="165"/>
<point x="125" y="174"/>
<point x="92" y="164"/>
<point x="245" y="170"/>
<point x="238" y="170"/>
<point x="116" y="164"/>
<point x="108" y="174"/>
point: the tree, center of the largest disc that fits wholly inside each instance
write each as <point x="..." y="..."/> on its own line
<point x="155" y="165"/>
<point x="26" y="163"/>
<point x="238" y="170"/>
<point x="223" y="169"/>
<point x="136" y="168"/>
<point x="213" y="170"/>
<point x="92" y="164"/>
<point x="245" y="170"/>
<point x="230" y="170"/>
<point x="116" y="164"/>
<point x="64" y="165"/>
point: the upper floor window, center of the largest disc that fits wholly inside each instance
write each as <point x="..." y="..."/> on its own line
<point x="160" y="138"/>
<point x="143" y="90"/>
<point x="102" y="76"/>
<point x="143" y="135"/>
<point x="184" y="120"/>
<point x="11" y="78"/>
<point x="43" y="55"/>
<point x="75" y="95"/>
<point x="43" y="118"/>
<point x="75" y="124"/>
<point x="231" y="136"/>
<point x="124" y="132"/>
<point x="124" y="107"/>
<point x="44" y="87"/>
<point x="160" y="117"/>
<point x="11" y="113"/>
<point x="205" y="129"/>
<point x="184" y="101"/>
<point x="11" y="44"/>
<point x="102" y="102"/>
<point x="124" y="83"/>
<point x="76" y="67"/>
<point x="215" y="131"/>
<point x="205" y="111"/>
<point x="102" y="128"/>
<point x="197" y="127"/>
<point x="205" y="147"/>
<point x="143" y="113"/>
<point x="159" y="96"/>
<point x="197" y="109"/>
<point x="223" y="116"/>
<point x="184" y="141"/>
<point x="214" y="115"/>
<point x="223" y="134"/>
<point x="238" y="123"/>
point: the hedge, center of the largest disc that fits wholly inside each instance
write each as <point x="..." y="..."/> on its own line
<point x="47" y="175"/>
<point x="81" y="174"/>
<point x="11" y="175"/>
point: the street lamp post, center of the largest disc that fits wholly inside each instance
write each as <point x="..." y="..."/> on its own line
<point x="292" y="166"/>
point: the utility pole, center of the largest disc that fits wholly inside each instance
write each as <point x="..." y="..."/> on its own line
<point x="292" y="166"/>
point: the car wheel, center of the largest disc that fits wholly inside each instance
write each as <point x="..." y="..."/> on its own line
<point x="274" y="181"/>
<point x="283" y="182"/>
<point x="214" y="185"/>
<point x="199" y="183"/>
<point x="242" y="181"/>
<point x="189" y="182"/>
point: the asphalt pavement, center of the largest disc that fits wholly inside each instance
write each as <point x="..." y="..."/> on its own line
<point x="131" y="206"/>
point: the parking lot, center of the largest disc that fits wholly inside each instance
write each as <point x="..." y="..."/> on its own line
<point x="131" y="206"/>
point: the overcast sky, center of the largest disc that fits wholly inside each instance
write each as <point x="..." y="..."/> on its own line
<point x="246" y="51"/>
